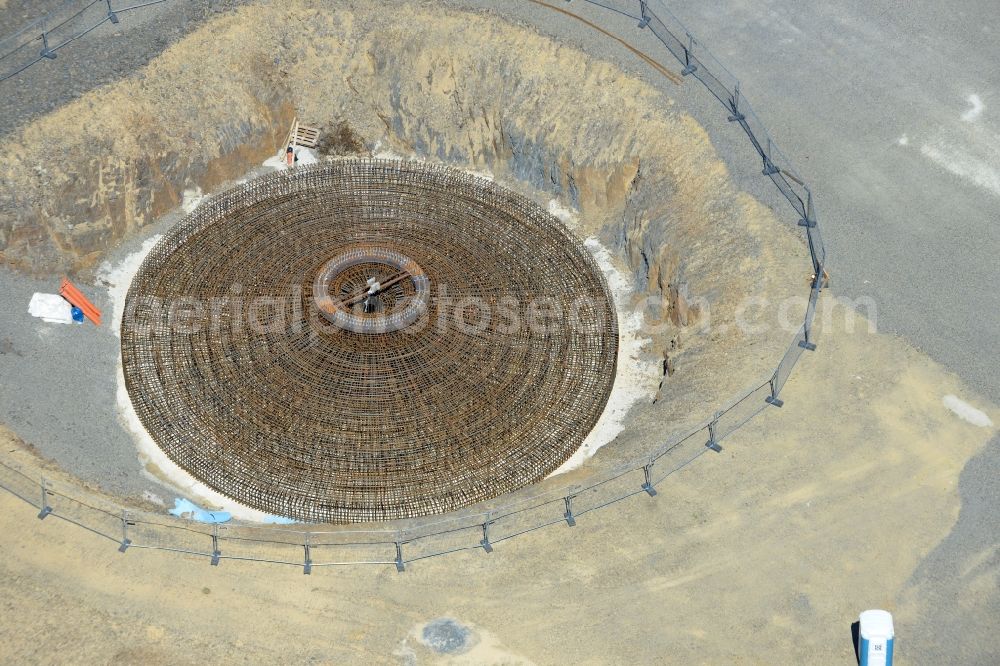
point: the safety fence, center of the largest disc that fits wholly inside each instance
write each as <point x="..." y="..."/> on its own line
<point x="43" y="38"/>
<point x="489" y="523"/>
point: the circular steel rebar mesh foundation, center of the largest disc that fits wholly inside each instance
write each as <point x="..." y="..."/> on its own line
<point x="241" y="382"/>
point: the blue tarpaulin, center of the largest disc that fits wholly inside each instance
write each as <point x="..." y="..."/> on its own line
<point x="187" y="509"/>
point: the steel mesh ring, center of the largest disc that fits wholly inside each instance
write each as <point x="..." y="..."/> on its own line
<point x="322" y="423"/>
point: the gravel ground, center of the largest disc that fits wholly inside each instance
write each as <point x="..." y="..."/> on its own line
<point x="53" y="413"/>
<point x="840" y="85"/>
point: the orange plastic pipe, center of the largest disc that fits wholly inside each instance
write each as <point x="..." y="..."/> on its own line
<point x="75" y="297"/>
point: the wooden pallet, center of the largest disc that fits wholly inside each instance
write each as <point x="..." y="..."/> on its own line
<point x="301" y="135"/>
<point x="307" y="136"/>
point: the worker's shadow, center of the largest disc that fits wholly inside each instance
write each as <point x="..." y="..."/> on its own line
<point x="856" y="637"/>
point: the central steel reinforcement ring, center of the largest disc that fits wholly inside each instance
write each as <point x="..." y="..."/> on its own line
<point x="368" y="340"/>
<point x="371" y="306"/>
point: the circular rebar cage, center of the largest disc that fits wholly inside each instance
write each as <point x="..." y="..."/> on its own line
<point x="460" y="342"/>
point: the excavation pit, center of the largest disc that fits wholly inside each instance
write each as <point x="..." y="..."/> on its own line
<point x="369" y="340"/>
<point x="624" y="157"/>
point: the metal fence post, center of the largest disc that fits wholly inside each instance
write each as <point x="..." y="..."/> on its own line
<point x="688" y="67"/>
<point x="126" y="542"/>
<point x="735" y="105"/>
<point x="773" y="399"/>
<point x="111" y="13"/>
<point x="216" y="553"/>
<point x="648" y="485"/>
<point x="307" y="564"/>
<point x="769" y="168"/>
<point x="485" y="541"/>
<point x="817" y="267"/>
<point x="570" y="520"/>
<point x="712" y="443"/>
<point x="805" y="343"/>
<point x="643" y="14"/>
<point x="46" y="51"/>
<point x="809" y="221"/>
<point x="400" y="564"/>
<point x="46" y="509"/>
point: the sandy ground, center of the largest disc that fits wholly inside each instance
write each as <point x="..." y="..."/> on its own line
<point x="812" y="513"/>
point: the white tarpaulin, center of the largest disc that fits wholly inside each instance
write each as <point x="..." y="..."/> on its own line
<point x="52" y="308"/>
